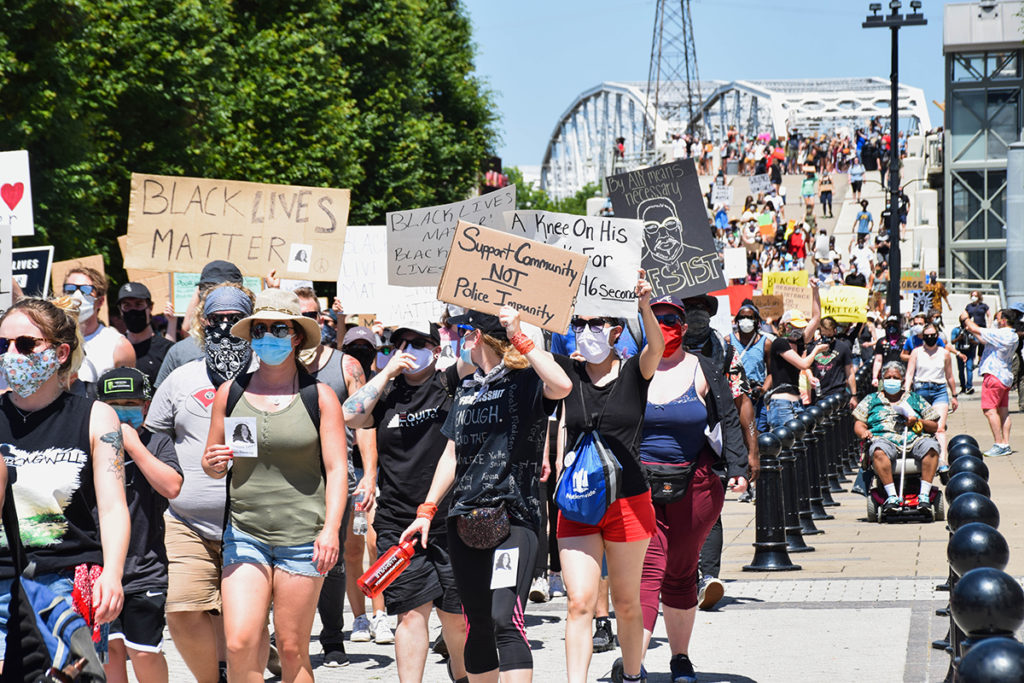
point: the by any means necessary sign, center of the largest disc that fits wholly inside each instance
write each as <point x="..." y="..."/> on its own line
<point x="178" y="224"/>
<point x="488" y="269"/>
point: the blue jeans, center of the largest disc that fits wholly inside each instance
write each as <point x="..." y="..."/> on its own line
<point x="240" y="547"/>
<point x="933" y="392"/>
<point x="761" y="414"/>
<point x="782" y="411"/>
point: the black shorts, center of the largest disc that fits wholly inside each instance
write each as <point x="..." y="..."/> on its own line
<point x="428" y="578"/>
<point x="855" y="185"/>
<point x="141" y="622"/>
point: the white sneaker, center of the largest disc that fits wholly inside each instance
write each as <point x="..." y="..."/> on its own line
<point x="556" y="585"/>
<point x="360" y="630"/>
<point x="539" y="591"/>
<point x="382" y="634"/>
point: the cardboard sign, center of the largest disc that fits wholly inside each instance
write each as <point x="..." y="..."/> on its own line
<point x="761" y="184"/>
<point x="794" y="296"/>
<point x="158" y="284"/>
<point x="788" y="277"/>
<point x="363" y="282"/>
<point x="721" y="194"/>
<point x="178" y="224"/>
<point x="679" y="252"/>
<point x="770" y="306"/>
<point x="419" y="239"/>
<point x="16" y="194"/>
<point x="845" y="303"/>
<point x="911" y="280"/>
<point x="612" y="246"/>
<point x="923" y="302"/>
<point x="735" y="294"/>
<point x="60" y="269"/>
<point x="766" y="226"/>
<point x="183" y="286"/>
<point x="30" y="268"/>
<point x="488" y="269"/>
<point x="735" y="260"/>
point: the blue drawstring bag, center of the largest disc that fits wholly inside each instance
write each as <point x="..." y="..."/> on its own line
<point x="591" y="480"/>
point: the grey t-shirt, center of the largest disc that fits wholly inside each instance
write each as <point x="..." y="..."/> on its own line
<point x="180" y="353"/>
<point x="182" y="408"/>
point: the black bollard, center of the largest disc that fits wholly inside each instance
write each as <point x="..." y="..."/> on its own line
<point x="972" y="507"/>
<point x="963" y="450"/>
<point x="812" y="439"/>
<point x="834" y="452"/>
<point x="962" y="438"/>
<point x="969" y="464"/>
<point x="787" y="464"/>
<point x="842" y="454"/>
<point x="963" y="483"/>
<point x="803" y="485"/>
<point x="852" y="442"/>
<point x="826" y="446"/>
<point x="993" y="660"/>
<point x="977" y="545"/>
<point x="770" y="536"/>
<point x="985" y="603"/>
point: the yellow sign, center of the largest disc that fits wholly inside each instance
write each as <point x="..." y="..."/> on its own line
<point x="789" y="277"/>
<point x="844" y="303"/>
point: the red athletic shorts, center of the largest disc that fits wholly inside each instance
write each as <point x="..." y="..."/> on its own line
<point x="994" y="394"/>
<point x="626" y="520"/>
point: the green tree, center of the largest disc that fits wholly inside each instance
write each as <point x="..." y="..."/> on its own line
<point x="528" y="196"/>
<point x="376" y="95"/>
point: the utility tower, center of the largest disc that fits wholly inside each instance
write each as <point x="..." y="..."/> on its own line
<point x="673" y="84"/>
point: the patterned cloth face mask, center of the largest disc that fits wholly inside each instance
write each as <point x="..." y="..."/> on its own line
<point x="26" y="373"/>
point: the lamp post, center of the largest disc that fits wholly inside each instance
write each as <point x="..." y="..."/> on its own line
<point x="894" y="21"/>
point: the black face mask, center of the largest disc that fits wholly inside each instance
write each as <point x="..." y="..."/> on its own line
<point x="698" y="327"/>
<point x="365" y="358"/>
<point x="135" y="320"/>
<point x="931" y="339"/>
<point x="227" y="356"/>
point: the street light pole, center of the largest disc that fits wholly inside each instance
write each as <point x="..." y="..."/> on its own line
<point x="894" y="21"/>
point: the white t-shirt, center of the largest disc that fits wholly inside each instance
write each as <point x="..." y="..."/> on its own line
<point x="99" y="353"/>
<point x="1000" y="343"/>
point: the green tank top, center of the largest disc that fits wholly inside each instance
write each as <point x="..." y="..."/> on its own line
<point x="278" y="496"/>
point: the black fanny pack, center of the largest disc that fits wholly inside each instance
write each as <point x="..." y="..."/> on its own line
<point x="669" y="483"/>
<point x="484" y="528"/>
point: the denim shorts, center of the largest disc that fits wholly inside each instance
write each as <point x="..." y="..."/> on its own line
<point x="240" y="547"/>
<point x="60" y="584"/>
<point x="933" y="392"/>
<point x="781" y="411"/>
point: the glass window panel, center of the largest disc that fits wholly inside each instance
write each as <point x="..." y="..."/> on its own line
<point x="967" y="222"/>
<point x="968" y="67"/>
<point x="1004" y="65"/>
<point x="976" y="262"/>
<point x="1003" y="114"/>
<point x="996" y="215"/>
<point x="996" y="263"/>
<point x="966" y="119"/>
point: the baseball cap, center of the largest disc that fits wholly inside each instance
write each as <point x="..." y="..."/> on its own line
<point x="360" y="333"/>
<point x="217" y="272"/>
<point x="485" y="322"/>
<point x="794" y="318"/>
<point x="710" y="302"/>
<point x="123" y="383"/>
<point x="420" y="327"/>
<point x="133" y="290"/>
<point x="669" y="300"/>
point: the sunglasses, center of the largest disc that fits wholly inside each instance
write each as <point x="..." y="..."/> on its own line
<point x="24" y="344"/>
<point x="670" y="319"/>
<point x="595" y="324"/>
<point x="224" y="318"/>
<point x="279" y="330"/>
<point x="418" y="343"/>
<point x="84" y="289"/>
<point x="312" y="315"/>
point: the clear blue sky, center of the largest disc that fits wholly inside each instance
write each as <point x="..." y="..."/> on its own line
<point x="538" y="55"/>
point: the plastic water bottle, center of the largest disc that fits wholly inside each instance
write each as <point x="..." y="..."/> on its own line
<point x="359" y="524"/>
<point x="386" y="569"/>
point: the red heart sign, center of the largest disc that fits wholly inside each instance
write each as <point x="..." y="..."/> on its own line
<point x="11" y="194"/>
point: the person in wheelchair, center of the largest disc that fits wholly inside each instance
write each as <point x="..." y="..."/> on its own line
<point x="896" y="422"/>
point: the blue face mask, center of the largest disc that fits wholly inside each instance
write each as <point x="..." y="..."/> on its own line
<point x="892" y="386"/>
<point x="130" y="415"/>
<point x="272" y="350"/>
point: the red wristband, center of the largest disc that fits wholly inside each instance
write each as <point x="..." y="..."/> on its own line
<point x="426" y="511"/>
<point x="522" y="343"/>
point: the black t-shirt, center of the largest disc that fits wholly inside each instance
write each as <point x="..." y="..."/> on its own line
<point x="977" y="311"/>
<point x="829" y="367"/>
<point x="783" y="372"/>
<point x="149" y="355"/>
<point x="54" y="492"/>
<point x="882" y="241"/>
<point x="619" y="406"/>
<point x="409" y="444"/>
<point x="856" y="279"/>
<point x="499" y="442"/>
<point x="145" y="567"/>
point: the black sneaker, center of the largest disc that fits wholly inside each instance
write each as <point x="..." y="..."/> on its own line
<point x="334" y="655"/>
<point x="604" y="637"/>
<point x="926" y="506"/>
<point x="682" y="669"/>
<point x="891" y="503"/>
<point x="618" y="674"/>
<point x="440" y="647"/>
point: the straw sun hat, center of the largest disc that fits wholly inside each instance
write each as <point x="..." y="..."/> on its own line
<point x="278" y="304"/>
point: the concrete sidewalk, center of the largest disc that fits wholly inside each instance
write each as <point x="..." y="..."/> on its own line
<point x="862" y="608"/>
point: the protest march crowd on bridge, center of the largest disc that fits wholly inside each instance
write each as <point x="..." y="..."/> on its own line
<point x="211" y="470"/>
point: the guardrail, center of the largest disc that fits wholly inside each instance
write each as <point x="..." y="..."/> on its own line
<point x="986" y="287"/>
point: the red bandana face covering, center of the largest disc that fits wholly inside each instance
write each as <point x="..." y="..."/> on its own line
<point x="673" y="338"/>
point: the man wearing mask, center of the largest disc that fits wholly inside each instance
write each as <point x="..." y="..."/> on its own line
<point x="937" y="290"/>
<point x="1000" y="346"/>
<point x="105" y="348"/>
<point x="914" y="337"/>
<point x="136" y="305"/>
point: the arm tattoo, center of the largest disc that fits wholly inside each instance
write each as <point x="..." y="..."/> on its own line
<point x="356" y="404"/>
<point x="354" y="370"/>
<point x="116" y="442"/>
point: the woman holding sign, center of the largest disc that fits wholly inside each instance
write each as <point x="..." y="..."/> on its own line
<point x="281" y="534"/>
<point x="599" y="382"/>
<point x="496" y="429"/>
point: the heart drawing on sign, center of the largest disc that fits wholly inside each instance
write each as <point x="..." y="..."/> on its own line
<point x="11" y="194"/>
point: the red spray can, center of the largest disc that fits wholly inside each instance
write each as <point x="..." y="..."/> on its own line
<point x="386" y="569"/>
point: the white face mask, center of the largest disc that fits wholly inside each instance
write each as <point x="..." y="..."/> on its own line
<point x="424" y="357"/>
<point x="593" y="346"/>
<point x="86" y="304"/>
<point x="746" y="325"/>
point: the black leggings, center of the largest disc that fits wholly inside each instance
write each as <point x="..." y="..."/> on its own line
<point x="495" y="623"/>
